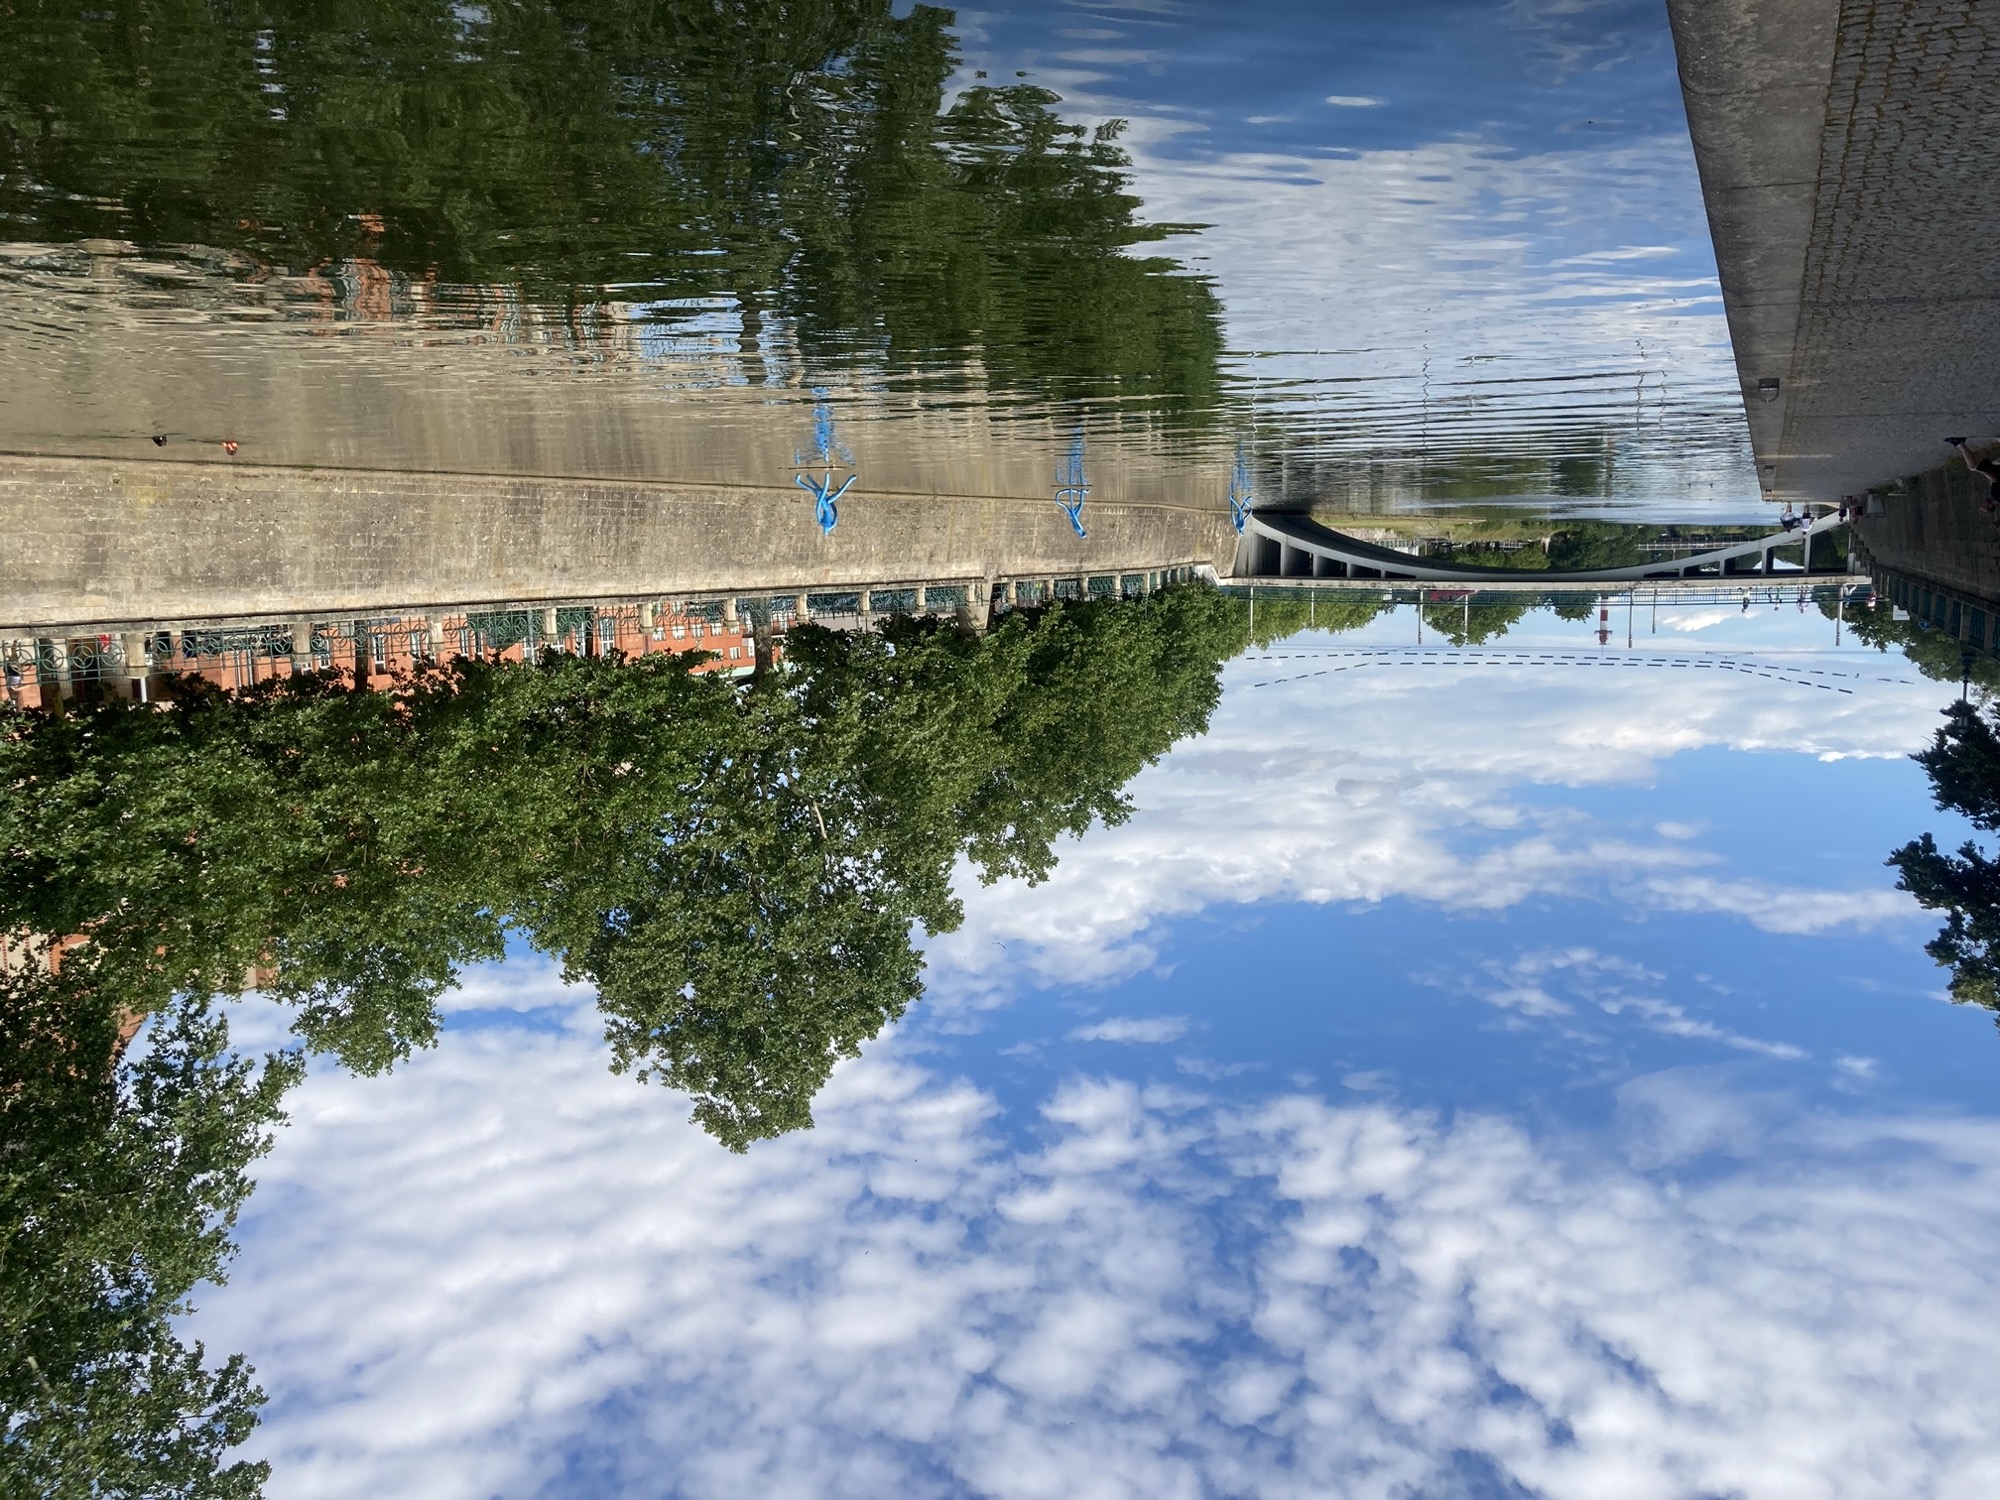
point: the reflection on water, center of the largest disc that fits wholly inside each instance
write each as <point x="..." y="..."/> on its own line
<point x="565" y="539"/>
<point x="578" y="241"/>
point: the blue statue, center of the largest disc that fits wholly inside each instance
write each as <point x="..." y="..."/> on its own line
<point x="1240" y="492"/>
<point x="826" y="507"/>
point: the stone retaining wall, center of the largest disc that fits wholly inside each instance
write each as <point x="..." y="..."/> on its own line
<point x="98" y="539"/>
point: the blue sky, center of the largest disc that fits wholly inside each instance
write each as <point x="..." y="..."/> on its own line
<point x="1472" y="1078"/>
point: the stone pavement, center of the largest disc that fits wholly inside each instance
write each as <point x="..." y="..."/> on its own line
<point x="1849" y="156"/>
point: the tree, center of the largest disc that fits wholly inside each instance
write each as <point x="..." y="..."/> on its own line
<point x="1480" y="623"/>
<point x="1964" y="766"/>
<point x="118" y="1186"/>
<point x="737" y="868"/>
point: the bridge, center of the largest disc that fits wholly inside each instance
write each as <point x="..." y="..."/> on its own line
<point x="1282" y="547"/>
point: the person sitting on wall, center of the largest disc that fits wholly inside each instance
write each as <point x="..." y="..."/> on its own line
<point x="1985" y="468"/>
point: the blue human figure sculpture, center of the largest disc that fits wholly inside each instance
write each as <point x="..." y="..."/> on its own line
<point x="1240" y="492"/>
<point x="1073" y="489"/>
<point x="826" y="507"/>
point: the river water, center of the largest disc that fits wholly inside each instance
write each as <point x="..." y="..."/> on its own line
<point x="1361" y="1042"/>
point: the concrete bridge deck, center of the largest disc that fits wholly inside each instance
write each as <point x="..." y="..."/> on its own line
<point x="1847" y="152"/>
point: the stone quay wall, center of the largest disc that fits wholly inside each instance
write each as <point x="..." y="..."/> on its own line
<point x="100" y="540"/>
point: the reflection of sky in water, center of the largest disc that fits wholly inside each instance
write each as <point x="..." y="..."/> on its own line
<point x="1452" y="239"/>
<point x="1459" y="248"/>
<point x="1468" y="1077"/>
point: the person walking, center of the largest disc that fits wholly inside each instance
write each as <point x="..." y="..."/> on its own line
<point x="1985" y="468"/>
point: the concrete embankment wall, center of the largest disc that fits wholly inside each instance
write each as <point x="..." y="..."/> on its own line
<point x="105" y="540"/>
<point x="1934" y="530"/>
<point x="1844" y="148"/>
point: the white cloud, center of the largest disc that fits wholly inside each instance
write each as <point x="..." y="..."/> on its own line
<point x="503" y="1271"/>
<point x="1527" y="986"/>
<point x="1778" y="908"/>
<point x="1353" y="101"/>
<point x="1687" y="622"/>
<point x="1133" y="1029"/>
<point x="1360" y="786"/>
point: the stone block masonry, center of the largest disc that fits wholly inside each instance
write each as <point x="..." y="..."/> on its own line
<point x="1847" y="156"/>
<point x="108" y="540"/>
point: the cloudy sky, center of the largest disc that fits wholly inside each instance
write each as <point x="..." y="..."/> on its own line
<point x="1485" y="1078"/>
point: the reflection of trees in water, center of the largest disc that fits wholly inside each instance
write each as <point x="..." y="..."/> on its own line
<point x="798" y="159"/>
<point x="737" y="866"/>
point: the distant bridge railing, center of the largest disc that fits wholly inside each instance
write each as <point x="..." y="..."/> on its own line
<point x="1281" y="547"/>
<point x="47" y="664"/>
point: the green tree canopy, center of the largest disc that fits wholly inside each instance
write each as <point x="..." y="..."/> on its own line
<point x="738" y="869"/>
<point x="1964" y="765"/>
<point x="118" y="1187"/>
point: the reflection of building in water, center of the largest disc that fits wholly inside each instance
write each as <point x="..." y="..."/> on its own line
<point x="355" y="366"/>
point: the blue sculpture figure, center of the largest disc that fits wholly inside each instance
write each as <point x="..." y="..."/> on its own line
<point x="1239" y="492"/>
<point x="826" y="509"/>
<point x="1073" y="489"/>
